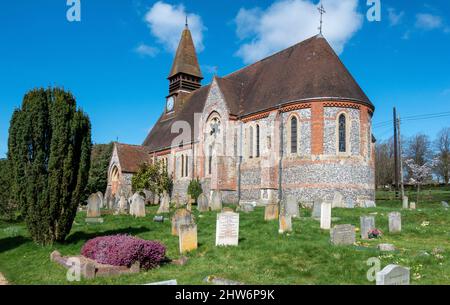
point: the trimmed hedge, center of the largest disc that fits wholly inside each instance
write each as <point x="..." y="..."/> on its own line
<point x="124" y="250"/>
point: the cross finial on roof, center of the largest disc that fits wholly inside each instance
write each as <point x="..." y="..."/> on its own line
<point x="186" y="24"/>
<point x="321" y="11"/>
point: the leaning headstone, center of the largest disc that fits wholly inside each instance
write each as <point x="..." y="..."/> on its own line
<point x="202" y="203"/>
<point x="342" y="235"/>
<point x="316" y="209"/>
<point x="325" y="215"/>
<point x="181" y="217"/>
<point x="187" y="238"/>
<point x="227" y="229"/>
<point x="123" y="205"/>
<point x="100" y="198"/>
<point x="93" y="207"/>
<point x="285" y="223"/>
<point x="395" y="222"/>
<point x="444" y="204"/>
<point x="164" y="206"/>
<point x="291" y="206"/>
<point x="367" y="224"/>
<point x="338" y="200"/>
<point x="405" y="202"/>
<point x="138" y="206"/>
<point x="216" y="201"/>
<point x="271" y="211"/>
<point x="393" y="275"/>
<point x="412" y="205"/>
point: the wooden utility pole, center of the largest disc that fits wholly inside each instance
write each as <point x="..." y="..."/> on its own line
<point x="400" y="154"/>
<point x="395" y="154"/>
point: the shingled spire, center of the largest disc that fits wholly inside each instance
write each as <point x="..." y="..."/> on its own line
<point x="185" y="73"/>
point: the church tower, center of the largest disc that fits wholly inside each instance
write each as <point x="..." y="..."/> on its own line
<point x="185" y="75"/>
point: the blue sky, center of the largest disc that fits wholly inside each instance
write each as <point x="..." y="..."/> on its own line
<point x="116" y="59"/>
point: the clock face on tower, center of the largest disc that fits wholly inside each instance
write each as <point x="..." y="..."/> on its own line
<point x="169" y="105"/>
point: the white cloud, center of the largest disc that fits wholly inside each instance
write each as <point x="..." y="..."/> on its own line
<point x="394" y="17"/>
<point x="145" y="50"/>
<point x="428" y="21"/>
<point x="166" y="22"/>
<point x="287" y="22"/>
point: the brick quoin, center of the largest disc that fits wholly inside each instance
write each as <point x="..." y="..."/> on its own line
<point x="317" y="128"/>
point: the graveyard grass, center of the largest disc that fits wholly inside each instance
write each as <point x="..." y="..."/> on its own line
<point x="263" y="256"/>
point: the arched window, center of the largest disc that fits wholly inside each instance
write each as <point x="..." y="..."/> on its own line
<point x="182" y="165"/>
<point x="210" y="160"/>
<point x="294" y="136"/>
<point x="342" y="133"/>
<point x="250" y="149"/>
<point x="257" y="141"/>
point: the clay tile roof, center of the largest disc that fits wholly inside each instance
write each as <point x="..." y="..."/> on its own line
<point x="132" y="156"/>
<point x="186" y="58"/>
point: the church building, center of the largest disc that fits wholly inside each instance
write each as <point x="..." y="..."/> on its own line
<point x="294" y="123"/>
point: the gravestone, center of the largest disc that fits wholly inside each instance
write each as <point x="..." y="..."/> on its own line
<point x="325" y="215"/>
<point x="188" y="238"/>
<point x="395" y="222"/>
<point x="138" y="206"/>
<point x="342" y="235"/>
<point x="338" y="200"/>
<point x="227" y="229"/>
<point x="367" y="224"/>
<point x="285" y="223"/>
<point x="148" y="196"/>
<point x="93" y="207"/>
<point x="163" y="283"/>
<point x="216" y="201"/>
<point x="158" y="219"/>
<point x="369" y="204"/>
<point x="316" y="209"/>
<point x="349" y="203"/>
<point x="393" y="275"/>
<point x="247" y="207"/>
<point x="181" y="217"/>
<point x="202" y="203"/>
<point x="123" y="205"/>
<point x="291" y="206"/>
<point x="271" y="211"/>
<point x="386" y="247"/>
<point x="164" y="206"/>
<point x="444" y="204"/>
<point x="405" y="202"/>
<point x="156" y="199"/>
<point x="100" y="197"/>
<point x="412" y="205"/>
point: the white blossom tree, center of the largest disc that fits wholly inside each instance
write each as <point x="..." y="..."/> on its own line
<point x="420" y="173"/>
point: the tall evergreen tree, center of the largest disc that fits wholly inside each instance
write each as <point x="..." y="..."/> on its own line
<point x="49" y="150"/>
<point x="98" y="174"/>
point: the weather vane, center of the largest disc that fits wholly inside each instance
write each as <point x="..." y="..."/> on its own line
<point x="321" y="11"/>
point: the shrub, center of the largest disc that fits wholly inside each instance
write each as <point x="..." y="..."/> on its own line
<point x="375" y="233"/>
<point x="124" y="250"/>
<point x="195" y="188"/>
<point x="152" y="177"/>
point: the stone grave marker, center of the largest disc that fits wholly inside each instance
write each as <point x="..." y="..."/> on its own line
<point x="412" y="205"/>
<point x="227" y="229"/>
<point x="386" y="247"/>
<point x="338" y="200"/>
<point x="349" y="203"/>
<point x="405" y="202"/>
<point x="138" y="206"/>
<point x="291" y="206"/>
<point x="285" y="223"/>
<point x="93" y="207"/>
<point x="444" y="204"/>
<point x="123" y="205"/>
<point x="188" y="238"/>
<point x="169" y="282"/>
<point x="271" y="211"/>
<point x="369" y="204"/>
<point x="316" y="209"/>
<point x="100" y="197"/>
<point x="164" y="206"/>
<point x="247" y="207"/>
<point x="325" y="215"/>
<point x="342" y="235"/>
<point x="216" y="201"/>
<point x="181" y="217"/>
<point x="367" y="224"/>
<point x="202" y="203"/>
<point x="395" y="222"/>
<point x="393" y="275"/>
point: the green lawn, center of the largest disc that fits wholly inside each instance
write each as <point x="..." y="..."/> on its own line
<point x="263" y="256"/>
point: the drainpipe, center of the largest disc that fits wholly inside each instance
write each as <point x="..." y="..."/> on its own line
<point x="240" y="161"/>
<point x="280" y="164"/>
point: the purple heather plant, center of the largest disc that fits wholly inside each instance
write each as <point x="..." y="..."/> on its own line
<point x="124" y="250"/>
<point x="375" y="233"/>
